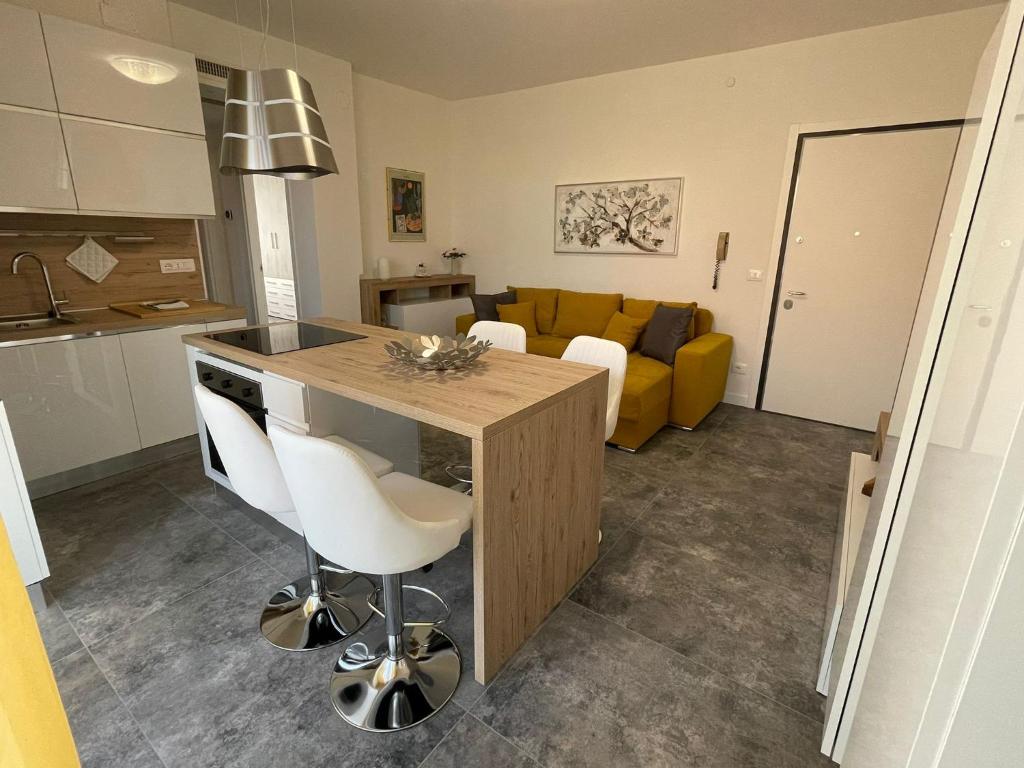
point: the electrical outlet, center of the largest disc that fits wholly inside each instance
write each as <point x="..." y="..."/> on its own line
<point x="739" y="368"/>
<point x="170" y="266"/>
<point x="755" y="275"/>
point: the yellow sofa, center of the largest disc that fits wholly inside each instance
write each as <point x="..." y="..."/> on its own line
<point x="654" y="394"/>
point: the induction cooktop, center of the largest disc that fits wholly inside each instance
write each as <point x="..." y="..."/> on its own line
<point x="283" y="337"/>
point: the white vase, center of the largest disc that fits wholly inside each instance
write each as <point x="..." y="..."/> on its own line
<point x="383" y="269"/>
<point x="456" y="266"/>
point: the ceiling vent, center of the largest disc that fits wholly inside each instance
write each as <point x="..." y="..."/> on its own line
<point x="212" y="69"/>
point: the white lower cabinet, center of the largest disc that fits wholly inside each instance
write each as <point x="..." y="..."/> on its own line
<point x="159" y="382"/>
<point x="75" y="403"/>
<point x="68" y="403"/>
<point x="16" y="510"/>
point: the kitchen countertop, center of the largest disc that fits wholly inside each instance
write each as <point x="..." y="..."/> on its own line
<point x="499" y="390"/>
<point x="104" y="322"/>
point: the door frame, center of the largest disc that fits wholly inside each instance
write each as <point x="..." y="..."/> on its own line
<point x="794" y="152"/>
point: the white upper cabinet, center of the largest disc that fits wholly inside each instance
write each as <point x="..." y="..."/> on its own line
<point x="110" y="76"/>
<point x="24" y="71"/>
<point x="96" y="122"/>
<point x="138" y="171"/>
<point x="33" y="164"/>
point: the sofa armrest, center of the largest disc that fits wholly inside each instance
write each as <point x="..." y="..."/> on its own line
<point x="698" y="378"/>
<point x="464" y="322"/>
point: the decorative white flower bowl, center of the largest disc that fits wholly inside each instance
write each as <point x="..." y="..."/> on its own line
<point x="437" y="353"/>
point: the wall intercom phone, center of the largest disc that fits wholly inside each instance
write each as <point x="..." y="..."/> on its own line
<point x="720" y="254"/>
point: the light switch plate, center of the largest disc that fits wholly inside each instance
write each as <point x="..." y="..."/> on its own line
<point x="169" y="266"/>
<point x="755" y="275"/>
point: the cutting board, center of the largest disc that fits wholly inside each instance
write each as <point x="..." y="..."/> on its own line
<point x="196" y="307"/>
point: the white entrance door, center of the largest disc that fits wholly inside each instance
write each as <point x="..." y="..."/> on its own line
<point x="861" y="227"/>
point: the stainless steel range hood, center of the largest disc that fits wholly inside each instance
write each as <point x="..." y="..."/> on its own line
<point x="272" y="126"/>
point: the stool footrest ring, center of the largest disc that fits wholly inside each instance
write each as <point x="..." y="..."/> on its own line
<point x="371" y="601"/>
<point x="332" y="569"/>
<point x="460" y="473"/>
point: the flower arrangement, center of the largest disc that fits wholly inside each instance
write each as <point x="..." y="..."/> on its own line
<point x="455" y="257"/>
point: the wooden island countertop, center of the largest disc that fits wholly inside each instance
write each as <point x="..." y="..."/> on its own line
<point x="500" y="389"/>
<point x="537" y="429"/>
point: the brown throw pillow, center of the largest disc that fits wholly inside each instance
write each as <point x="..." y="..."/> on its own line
<point x="486" y="305"/>
<point x="667" y="331"/>
<point x="523" y="313"/>
<point x="624" y="329"/>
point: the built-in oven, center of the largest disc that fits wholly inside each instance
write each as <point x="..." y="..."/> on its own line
<point x="245" y="393"/>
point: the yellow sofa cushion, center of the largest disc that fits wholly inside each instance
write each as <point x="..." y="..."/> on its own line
<point x="624" y="329"/>
<point x="523" y="313"/>
<point x="644" y="308"/>
<point x="546" y="300"/>
<point x="547" y="345"/>
<point x="648" y="385"/>
<point x="584" y="314"/>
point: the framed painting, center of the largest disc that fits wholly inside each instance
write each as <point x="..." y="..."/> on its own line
<point x="406" y="216"/>
<point x="639" y="217"/>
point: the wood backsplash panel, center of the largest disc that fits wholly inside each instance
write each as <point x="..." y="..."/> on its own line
<point x="137" y="276"/>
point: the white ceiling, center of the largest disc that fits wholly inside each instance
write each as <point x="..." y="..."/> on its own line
<point x="462" y="48"/>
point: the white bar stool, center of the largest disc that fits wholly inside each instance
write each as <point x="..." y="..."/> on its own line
<point x="507" y="336"/>
<point x="324" y="606"/>
<point x="602" y="353"/>
<point x="397" y="678"/>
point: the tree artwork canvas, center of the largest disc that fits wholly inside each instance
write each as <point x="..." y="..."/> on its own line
<point x="637" y="217"/>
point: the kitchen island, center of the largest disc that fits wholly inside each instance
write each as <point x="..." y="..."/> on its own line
<point x="537" y="431"/>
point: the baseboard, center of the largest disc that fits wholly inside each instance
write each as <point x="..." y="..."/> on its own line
<point x="737" y="398"/>
<point x="72" y="478"/>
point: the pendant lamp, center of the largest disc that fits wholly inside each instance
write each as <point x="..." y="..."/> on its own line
<point x="272" y="125"/>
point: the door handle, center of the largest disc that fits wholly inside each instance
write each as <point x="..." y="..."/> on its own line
<point x="795" y="293"/>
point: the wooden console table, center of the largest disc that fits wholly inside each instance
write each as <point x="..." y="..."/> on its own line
<point x="405" y="290"/>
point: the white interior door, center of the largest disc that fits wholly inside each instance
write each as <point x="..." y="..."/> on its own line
<point x="861" y="227"/>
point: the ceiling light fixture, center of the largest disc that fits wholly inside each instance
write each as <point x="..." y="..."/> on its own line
<point x="272" y="124"/>
<point x="147" y="71"/>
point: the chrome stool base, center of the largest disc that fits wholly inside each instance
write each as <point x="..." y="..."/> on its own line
<point x="374" y="692"/>
<point x="295" y="619"/>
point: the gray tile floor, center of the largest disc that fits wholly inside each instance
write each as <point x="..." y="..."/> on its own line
<point x="692" y="642"/>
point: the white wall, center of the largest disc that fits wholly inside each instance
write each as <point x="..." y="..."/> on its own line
<point x="336" y="197"/>
<point x="400" y="128"/>
<point x="510" y="150"/>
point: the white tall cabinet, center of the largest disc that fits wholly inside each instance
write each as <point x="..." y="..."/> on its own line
<point x="16" y="510"/>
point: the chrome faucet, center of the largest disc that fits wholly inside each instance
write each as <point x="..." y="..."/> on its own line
<point x="54" y="304"/>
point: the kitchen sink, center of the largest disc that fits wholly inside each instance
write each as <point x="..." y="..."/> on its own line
<point x="31" y="323"/>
